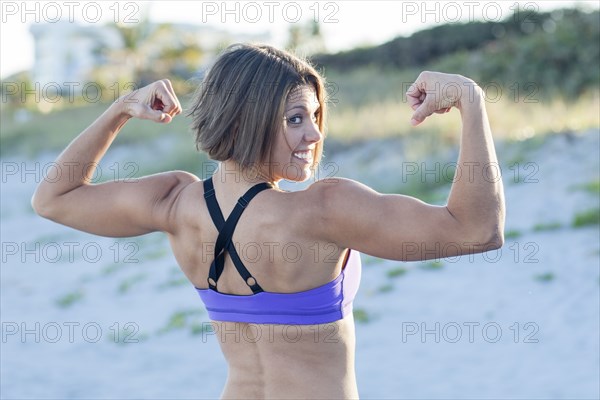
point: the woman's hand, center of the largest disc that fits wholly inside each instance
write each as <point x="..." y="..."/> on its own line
<point x="156" y="101"/>
<point x="436" y="92"/>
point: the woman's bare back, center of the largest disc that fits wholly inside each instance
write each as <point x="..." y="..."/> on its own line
<point x="272" y="239"/>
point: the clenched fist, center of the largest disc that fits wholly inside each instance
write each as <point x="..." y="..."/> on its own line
<point x="436" y="92"/>
<point x="156" y="102"/>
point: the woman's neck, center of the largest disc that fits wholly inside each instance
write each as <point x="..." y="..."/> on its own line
<point x="231" y="173"/>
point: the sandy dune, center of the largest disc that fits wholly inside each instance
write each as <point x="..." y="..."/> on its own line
<point x="90" y="317"/>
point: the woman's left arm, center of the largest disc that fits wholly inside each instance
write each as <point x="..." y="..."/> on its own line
<point x="118" y="208"/>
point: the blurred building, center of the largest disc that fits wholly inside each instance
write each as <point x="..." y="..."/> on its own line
<point x="66" y="52"/>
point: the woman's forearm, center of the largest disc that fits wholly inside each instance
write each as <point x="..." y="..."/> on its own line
<point x="477" y="195"/>
<point x="76" y="165"/>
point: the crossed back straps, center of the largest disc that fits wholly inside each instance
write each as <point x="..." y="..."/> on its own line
<point x="224" y="243"/>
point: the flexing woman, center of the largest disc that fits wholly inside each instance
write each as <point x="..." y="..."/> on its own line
<point x="261" y="112"/>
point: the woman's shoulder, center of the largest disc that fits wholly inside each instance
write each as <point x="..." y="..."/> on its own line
<point x="331" y="190"/>
<point x="328" y="200"/>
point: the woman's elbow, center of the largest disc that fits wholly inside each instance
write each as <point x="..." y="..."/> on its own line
<point x="38" y="207"/>
<point x="42" y="207"/>
<point x="496" y="240"/>
<point x="485" y="237"/>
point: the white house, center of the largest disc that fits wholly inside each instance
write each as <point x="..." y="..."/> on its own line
<point x="66" y="52"/>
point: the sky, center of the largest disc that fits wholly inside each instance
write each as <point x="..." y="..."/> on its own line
<point x="345" y="24"/>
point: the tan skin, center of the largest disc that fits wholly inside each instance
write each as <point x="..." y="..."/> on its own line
<point x="323" y="221"/>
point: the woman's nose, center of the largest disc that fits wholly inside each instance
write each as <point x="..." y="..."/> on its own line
<point x="313" y="134"/>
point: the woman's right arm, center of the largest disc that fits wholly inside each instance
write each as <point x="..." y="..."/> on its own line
<point x="118" y="208"/>
<point x="399" y="227"/>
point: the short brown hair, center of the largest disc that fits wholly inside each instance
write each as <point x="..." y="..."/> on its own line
<point x="239" y="108"/>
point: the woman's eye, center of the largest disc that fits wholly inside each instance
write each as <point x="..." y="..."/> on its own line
<point x="296" y="119"/>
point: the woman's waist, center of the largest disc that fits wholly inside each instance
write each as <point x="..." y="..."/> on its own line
<point x="288" y="368"/>
<point x="284" y="346"/>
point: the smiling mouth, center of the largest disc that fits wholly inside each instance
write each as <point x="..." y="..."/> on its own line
<point x="306" y="156"/>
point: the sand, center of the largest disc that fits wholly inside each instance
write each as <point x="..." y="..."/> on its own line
<point x="519" y="323"/>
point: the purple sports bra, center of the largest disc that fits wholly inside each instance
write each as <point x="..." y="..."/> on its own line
<point x="326" y="303"/>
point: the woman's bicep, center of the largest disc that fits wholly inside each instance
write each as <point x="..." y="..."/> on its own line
<point x="392" y="226"/>
<point x="122" y="208"/>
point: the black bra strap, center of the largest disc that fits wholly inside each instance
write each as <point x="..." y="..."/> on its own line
<point x="213" y="206"/>
<point x="226" y="229"/>
<point x="226" y="232"/>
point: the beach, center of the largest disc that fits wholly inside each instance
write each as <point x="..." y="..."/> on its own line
<point x="89" y="317"/>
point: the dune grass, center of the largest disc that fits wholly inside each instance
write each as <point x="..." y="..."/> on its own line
<point x="128" y="283"/>
<point x="69" y="299"/>
<point x="547" y="226"/>
<point x="364" y="103"/>
<point x="396" y="272"/>
<point x="545" y="277"/>
<point x="512" y="234"/>
<point x="183" y="319"/>
<point x="432" y="265"/>
<point x="55" y="130"/>
<point x="126" y="335"/>
<point x="173" y="283"/>
<point x="370" y="103"/>
<point x="386" y="288"/>
<point x="586" y="218"/>
<point x="361" y="315"/>
<point x="592" y="187"/>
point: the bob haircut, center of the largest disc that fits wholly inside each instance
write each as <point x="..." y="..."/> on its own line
<point x="238" y="109"/>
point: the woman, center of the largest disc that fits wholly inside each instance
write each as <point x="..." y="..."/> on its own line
<point x="278" y="270"/>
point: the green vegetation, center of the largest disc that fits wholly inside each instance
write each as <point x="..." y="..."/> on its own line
<point x="398" y="271"/>
<point x="592" y="187"/>
<point x="182" y="320"/>
<point x="128" y="283"/>
<point x="512" y="234"/>
<point x="110" y="269"/>
<point x="54" y="131"/>
<point x="127" y="334"/>
<point x="434" y="265"/>
<point x="370" y="260"/>
<point x="563" y="39"/>
<point x="386" y="288"/>
<point x="386" y="113"/>
<point x="69" y="299"/>
<point x="174" y="282"/>
<point x="548" y="226"/>
<point x="525" y="97"/>
<point x="201" y="328"/>
<point x="366" y="90"/>
<point x="361" y="315"/>
<point x="545" y="277"/>
<point x="586" y="218"/>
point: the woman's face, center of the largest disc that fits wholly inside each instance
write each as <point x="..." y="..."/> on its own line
<point x="294" y="148"/>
